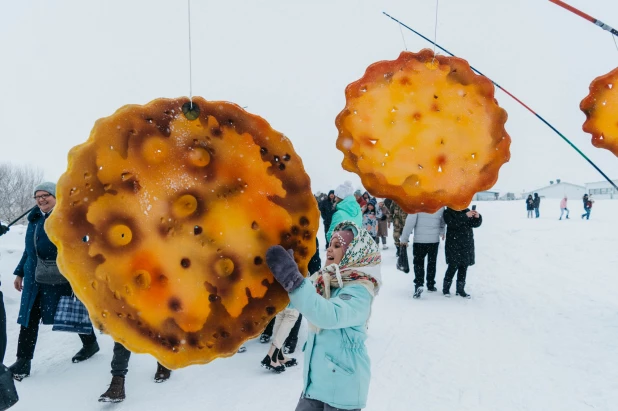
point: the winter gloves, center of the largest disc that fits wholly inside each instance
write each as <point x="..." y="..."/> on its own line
<point x="283" y="267"/>
<point x="3" y="229"/>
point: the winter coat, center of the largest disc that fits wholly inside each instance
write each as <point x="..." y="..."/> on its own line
<point x="427" y="228"/>
<point x="370" y="221"/>
<point x="563" y="203"/>
<point x="348" y="209"/>
<point x="49" y="294"/>
<point x="327" y="209"/>
<point x="530" y="204"/>
<point x="383" y="222"/>
<point x="459" y="237"/>
<point x="338" y="371"/>
<point x="315" y="263"/>
<point x="537" y="201"/>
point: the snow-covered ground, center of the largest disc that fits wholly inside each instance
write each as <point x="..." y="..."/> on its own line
<point x="540" y="333"/>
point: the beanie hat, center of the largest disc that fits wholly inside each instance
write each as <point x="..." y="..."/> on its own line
<point x="344" y="190"/>
<point x="357" y="193"/>
<point x="331" y="192"/>
<point x="48" y="187"/>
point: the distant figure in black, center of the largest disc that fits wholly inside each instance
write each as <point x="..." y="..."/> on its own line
<point x="537" y="205"/>
<point x="459" y="247"/>
<point x="530" y="206"/>
<point x="327" y="209"/>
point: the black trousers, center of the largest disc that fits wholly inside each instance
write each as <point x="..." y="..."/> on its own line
<point x="120" y="360"/>
<point x="420" y="251"/>
<point x="2" y="329"/>
<point x="293" y="333"/>
<point x="28" y="335"/>
<point x="461" y="275"/>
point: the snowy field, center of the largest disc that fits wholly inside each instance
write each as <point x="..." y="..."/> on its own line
<point x="540" y="333"/>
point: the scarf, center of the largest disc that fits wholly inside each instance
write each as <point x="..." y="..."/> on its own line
<point x="360" y="265"/>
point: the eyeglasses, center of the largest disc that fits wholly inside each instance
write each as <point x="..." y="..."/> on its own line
<point x="41" y="197"/>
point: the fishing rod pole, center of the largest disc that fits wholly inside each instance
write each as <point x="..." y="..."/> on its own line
<point x="5" y="228"/>
<point x="514" y="98"/>
<point x="20" y="217"/>
<point x="586" y="16"/>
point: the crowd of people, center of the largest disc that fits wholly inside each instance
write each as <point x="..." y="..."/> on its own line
<point x="335" y="298"/>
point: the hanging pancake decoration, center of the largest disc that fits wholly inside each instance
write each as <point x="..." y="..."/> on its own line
<point x="163" y="221"/>
<point x="423" y="130"/>
<point x="601" y="109"/>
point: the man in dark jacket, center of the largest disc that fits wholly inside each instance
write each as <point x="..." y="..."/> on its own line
<point x="459" y="247"/>
<point x="537" y="204"/>
<point x="327" y="209"/>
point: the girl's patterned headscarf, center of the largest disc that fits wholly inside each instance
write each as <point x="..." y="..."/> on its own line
<point x="360" y="264"/>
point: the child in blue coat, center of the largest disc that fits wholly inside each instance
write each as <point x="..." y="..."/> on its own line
<point x="337" y="303"/>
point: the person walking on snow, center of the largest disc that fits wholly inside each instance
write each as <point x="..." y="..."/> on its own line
<point x="563" y="207"/>
<point x="120" y="368"/>
<point x="337" y="302"/>
<point x="383" y="224"/>
<point x="459" y="247"/>
<point x="347" y="208"/>
<point x="530" y="206"/>
<point x="40" y="294"/>
<point x="587" y="206"/>
<point x="537" y="204"/>
<point x="275" y="360"/>
<point x="398" y="218"/>
<point x="427" y="229"/>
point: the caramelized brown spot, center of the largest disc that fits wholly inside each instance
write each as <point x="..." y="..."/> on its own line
<point x="174" y="304"/>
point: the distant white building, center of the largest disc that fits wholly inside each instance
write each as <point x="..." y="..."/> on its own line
<point x="602" y="190"/>
<point x="486" y="196"/>
<point x="559" y="190"/>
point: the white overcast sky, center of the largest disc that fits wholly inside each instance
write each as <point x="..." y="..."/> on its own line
<point x="66" y="63"/>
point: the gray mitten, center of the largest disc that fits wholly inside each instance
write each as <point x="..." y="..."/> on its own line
<point x="283" y="267"/>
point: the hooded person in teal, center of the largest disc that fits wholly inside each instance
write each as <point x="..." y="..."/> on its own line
<point x="347" y="208"/>
<point x="337" y="303"/>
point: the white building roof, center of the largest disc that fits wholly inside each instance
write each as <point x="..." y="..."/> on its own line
<point x="602" y="182"/>
<point x="555" y="185"/>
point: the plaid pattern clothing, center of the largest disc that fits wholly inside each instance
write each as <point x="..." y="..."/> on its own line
<point x="72" y="315"/>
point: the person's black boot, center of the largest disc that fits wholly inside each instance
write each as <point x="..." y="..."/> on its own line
<point x="289" y="362"/>
<point x="115" y="392"/>
<point x="267" y="363"/>
<point x="290" y="345"/>
<point x="446" y="288"/>
<point x="432" y="288"/>
<point x="86" y="352"/>
<point x="418" y="290"/>
<point x="163" y="374"/>
<point x="20" y="369"/>
<point x="264" y="338"/>
<point x="460" y="290"/>
<point x="397" y="248"/>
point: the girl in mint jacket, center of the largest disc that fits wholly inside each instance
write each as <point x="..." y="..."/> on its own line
<point x="337" y="303"/>
<point x="346" y="210"/>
